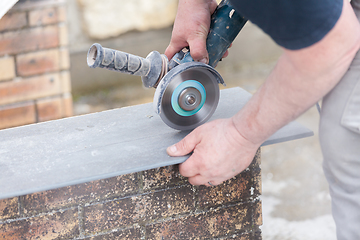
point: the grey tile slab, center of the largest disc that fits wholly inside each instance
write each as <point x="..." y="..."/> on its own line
<point x="79" y="149"/>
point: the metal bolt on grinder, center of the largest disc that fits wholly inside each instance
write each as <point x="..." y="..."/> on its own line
<point x="187" y="92"/>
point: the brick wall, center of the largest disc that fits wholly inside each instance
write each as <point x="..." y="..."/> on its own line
<point x="154" y="204"/>
<point x="34" y="63"/>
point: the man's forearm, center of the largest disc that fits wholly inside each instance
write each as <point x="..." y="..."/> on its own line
<point x="299" y="80"/>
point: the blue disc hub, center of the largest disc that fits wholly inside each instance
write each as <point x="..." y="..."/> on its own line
<point x="187" y="94"/>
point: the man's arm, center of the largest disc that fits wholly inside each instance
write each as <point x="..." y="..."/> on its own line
<point x="224" y="148"/>
<point x="300" y="79"/>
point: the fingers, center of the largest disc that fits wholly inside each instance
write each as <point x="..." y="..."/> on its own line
<point x="185" y="146"/>
<point x="227" y="52"/>
<point x="198" y="48"/>
<point x="213" y="6"/>
<point x="197" y="169"/>
<point x="173" y="48"/>
<point x="197" y="45"/>
<point x="190" y="167"/>
<point x="198" y="180"/>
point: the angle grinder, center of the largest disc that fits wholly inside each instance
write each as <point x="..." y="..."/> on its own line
<point x="187" y="92"/>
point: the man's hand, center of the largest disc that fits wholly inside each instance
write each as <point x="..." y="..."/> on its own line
<point x="223" y="148"/>
<point x="191" y="28"/>
<point x="219" y="153"/>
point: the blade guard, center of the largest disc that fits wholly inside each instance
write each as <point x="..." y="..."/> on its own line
<point x="167" y="79"/>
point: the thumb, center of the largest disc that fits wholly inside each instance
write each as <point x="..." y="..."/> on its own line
<point x="172" y="49"/>
<point x="184" y="147"/>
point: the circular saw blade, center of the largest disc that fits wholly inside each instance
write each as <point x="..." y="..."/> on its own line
<point x="188" y="95"/>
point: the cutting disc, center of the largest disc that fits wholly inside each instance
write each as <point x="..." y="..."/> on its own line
<point x="188" y="95"/>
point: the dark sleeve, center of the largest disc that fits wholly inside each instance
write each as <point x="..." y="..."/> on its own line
<point x="293" y="24"/>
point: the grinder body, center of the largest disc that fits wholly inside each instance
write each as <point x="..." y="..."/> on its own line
<point x="187" y="92"/>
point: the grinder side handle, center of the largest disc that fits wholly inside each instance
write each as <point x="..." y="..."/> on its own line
<point x="151" y="68"/>
<point x="111" y="59"/>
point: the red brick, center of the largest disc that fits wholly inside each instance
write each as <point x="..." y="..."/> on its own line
<point x="164" y="177"/>
<point x="67" y="105"/>
<point x="163" y="204"/>
<point x="38" y="62"/>
<point x="54" y="108"/>
<point x="9" y="208"/>
<point x="245" y="236"/>
<point x="234" y="190"/>
<point x="62" y="14"/>
<point x="63" y="35"/>
<point x="26" y="40"/>
<point x="132" y="233"/>
<point x="7" y="68"/>
<point x="214" y="223"/>
<point x="49" y="109"/>
<point x="65" y="81"/>
<point x="147" y="207"/>
<point x="253" y="235"/>
<point x="16" y="115"/>
<point x="30" y="88"/>
<point x="258" y="220"/>
<point x="11" y="21"/>
<point x="255" y="164"/>
<point x="257" y="183"/>
<point x="110" y="215"/>
<point x="60" y="225"/>
<point x="65" y="197"/>
<point x="43" y="16"/>
<point x="64" y="55"/>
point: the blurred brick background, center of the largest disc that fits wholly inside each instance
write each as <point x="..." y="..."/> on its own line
<point x="154" y="204"/>
<point x="34" y="63"/>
